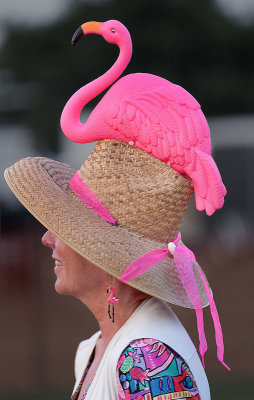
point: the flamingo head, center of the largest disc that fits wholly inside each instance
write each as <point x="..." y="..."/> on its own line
<point x="110" y="289"/>
<point x="112" y="31"/>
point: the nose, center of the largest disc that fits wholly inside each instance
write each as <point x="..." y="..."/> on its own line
<point x="48" y="239"/>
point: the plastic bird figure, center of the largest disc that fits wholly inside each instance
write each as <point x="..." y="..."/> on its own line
<point x="148" y="112"/>
<point x="112" y="299"/>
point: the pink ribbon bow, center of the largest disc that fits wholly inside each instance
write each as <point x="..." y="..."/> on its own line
<point x="184" y="259"/>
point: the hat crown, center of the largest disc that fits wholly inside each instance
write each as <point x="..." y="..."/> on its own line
<point x="143" y="194"/>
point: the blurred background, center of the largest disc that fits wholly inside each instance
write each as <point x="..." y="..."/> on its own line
<point x="206" y="46"/>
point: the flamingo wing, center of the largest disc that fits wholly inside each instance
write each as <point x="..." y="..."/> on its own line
<point x="168" y="123"/>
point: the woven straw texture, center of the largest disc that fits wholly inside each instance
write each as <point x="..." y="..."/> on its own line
<point x="145" y="196"/>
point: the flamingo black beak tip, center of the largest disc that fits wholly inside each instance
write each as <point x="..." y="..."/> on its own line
<point x="77" y="35"/>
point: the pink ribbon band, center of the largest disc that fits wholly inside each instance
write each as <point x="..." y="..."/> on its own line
<point x="89" y="198"/>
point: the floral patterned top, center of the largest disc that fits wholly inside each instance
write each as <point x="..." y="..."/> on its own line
<point x="150" y="370"/>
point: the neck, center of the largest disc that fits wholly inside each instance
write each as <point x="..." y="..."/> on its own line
<point x="70" y="119"/>
<point x="129" y="300"/>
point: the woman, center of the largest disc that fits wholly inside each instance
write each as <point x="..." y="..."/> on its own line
<point x="113" y="228"/>
<point x="146" y="351"/>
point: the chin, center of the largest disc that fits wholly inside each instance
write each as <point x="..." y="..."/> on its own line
<point x="63" y="289"/>
<point x="60" y="289"/>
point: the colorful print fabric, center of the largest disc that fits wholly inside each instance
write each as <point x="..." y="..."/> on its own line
<point x="150" y="370"/>
<point x="75" y="395"/>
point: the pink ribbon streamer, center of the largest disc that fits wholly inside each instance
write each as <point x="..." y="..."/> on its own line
<point x="89" y="198"/>
<point x="184" y="259"/>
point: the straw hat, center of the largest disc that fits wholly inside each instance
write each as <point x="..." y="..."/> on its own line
<point x="146" y="197"/>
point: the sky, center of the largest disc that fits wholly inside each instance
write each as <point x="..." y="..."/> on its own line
<point x="31" y="11"/>
<point x="44" y="11"/>
<point x="240" y="8"/>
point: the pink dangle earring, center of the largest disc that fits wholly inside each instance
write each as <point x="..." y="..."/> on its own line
<point x="112" y="299"/>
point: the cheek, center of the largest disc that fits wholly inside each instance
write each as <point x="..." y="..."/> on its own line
<point x="68" y="281"/>
<point x="77" y="270"/>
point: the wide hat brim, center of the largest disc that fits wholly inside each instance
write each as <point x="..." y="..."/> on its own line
<point x="42" y="186"/>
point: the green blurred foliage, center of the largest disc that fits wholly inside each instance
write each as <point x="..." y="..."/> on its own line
<point x="188" y="42"/>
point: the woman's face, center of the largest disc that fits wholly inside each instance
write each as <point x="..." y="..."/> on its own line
<point x="74" y="274"/>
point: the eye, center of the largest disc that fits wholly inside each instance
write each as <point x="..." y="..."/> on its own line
<point x="113" y="30"/>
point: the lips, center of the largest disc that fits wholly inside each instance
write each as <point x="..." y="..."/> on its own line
<point x="58" y="264"/>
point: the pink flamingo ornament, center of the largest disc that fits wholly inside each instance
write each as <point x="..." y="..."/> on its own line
<point x="112" y="299"/>
<point x="148" y="112"/>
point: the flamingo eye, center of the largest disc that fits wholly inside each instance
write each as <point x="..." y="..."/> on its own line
<point x="113" y="30"/>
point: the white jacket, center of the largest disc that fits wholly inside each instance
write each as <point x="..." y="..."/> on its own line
<point x="152" y="319"/>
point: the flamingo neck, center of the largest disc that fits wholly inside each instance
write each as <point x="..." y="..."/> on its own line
<point x="71" y="125"/>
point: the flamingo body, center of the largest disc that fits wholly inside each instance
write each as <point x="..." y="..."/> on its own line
<point x="152" y="114"/>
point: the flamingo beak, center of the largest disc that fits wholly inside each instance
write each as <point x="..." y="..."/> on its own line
<point x="85" y="29"/>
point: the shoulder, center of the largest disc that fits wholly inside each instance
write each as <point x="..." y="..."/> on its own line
<point x="148" y="367"/>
